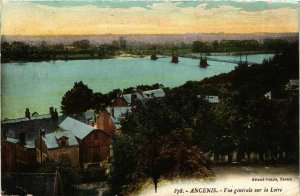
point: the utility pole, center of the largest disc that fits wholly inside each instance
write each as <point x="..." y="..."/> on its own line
<point x="41" y="147"/>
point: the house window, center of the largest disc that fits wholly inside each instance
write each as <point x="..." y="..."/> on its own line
<point x="63" y="143"/>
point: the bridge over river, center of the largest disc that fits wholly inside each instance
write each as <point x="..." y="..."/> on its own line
<point x="229" y="61"/>
<point x="212" y="58"/>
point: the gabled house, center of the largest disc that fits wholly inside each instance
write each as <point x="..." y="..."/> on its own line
<point x="76" y="143"/>
<point x="105" y="121"/>
<point x="132" y="98"/>
<point x="90" y="117"/>
<point x="120" y="101"/>
<point x="117" y="114"/>
<point x="60" y="146"/>
<point x="18" y="136"/>
<point x="109" y="119"/>
<point x="158" y="93"/>
<point x="122" y="105"/>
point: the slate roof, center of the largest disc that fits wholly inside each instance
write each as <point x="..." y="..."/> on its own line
<point x="127" y="98"/>
<point x="79" y="129"/>
<point x="30" y="144"/>
<point x="12" y="140"/>
<point x="145" y="95"/>
<point x="30" y="127"/>
<point x="13" y="135"/>
<point x="90" y="114"/>
<point x="51" y="139"/>
<point x="118" y="113"/>
<point x="154" y="93"/>
<point x="35" y="117"/>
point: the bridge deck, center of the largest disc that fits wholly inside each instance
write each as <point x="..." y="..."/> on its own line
<point x="223" y="60"/>
<point x="229" y="61"/>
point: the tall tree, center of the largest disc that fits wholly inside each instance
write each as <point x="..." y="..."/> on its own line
<point x="77" y="100"/>
<point x="160" y="145"/>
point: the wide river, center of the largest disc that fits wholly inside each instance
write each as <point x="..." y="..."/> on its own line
<point x="39" y="85"/>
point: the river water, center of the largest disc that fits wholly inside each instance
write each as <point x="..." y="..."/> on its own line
<point x="39" y="85"/>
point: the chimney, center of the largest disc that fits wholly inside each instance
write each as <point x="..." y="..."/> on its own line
<point x="102" y="107"/>
<point x="22" y="138"/>
<point x="96" y="111"/>
<point x="27" y="113"/>
<point x="42" y="132"/>
<point x="112" y="112"/>
<point x="55" y="112"/>
<point x="133" y="98"/>
<point x="91" y="123"/>
<point x="51" y="111"/>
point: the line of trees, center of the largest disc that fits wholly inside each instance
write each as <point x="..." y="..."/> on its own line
<point x="22" y="51"/>
<point x="83" y="49"/>
<point x="240" y="45"/>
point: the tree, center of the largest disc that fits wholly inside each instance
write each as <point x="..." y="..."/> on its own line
<point x="231" y="129"/>
<point x="161" y="147"/>
<point x="206" y="129"/>
<point x="113" y="94"/>
<point x="77" y="100"/>
<point x="122" y="42"/>
<point x="98" y="99"/>
<point x="123" y="163"/>
<point x="82" y="44"/>
<point x="172" y="155"/>
<point x="200" y="47"/>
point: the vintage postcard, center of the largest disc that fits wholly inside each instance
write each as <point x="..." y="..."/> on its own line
<point x="128" y="97"/>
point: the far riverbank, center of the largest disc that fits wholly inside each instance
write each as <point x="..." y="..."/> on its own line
<point x="236" y="53"/>
<point x="122" y="54"/>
